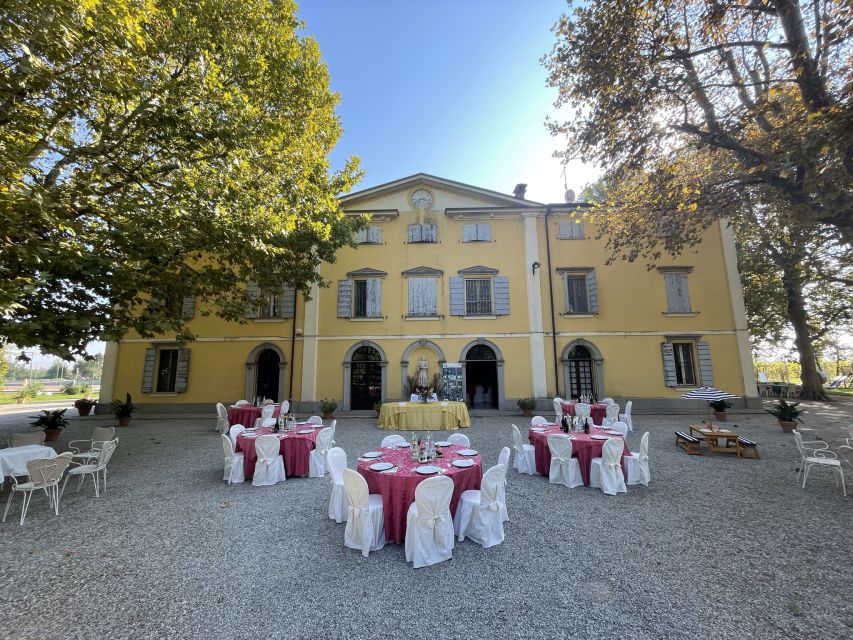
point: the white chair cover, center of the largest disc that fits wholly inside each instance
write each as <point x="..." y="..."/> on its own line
<point x="234" y="470"/>
<point x="267" y="401"/>
<point x="621" y="427"/>
<point x="388" y="441"/>
<point x="637" y="465"/>
<point x="558" y="409"/>
<point x="478" y="515"/>
<point x="582" y="410"/>
<point x="365" y="528"/>
<point x="241" y="402"/>
<point x="429" y="526"/>
<point x="503" y="459"/>
<point x="606" y="472"/>
<point x="235" y="431"/>
<point x="611" y="412"/>
<point x="564" y="469"/>
<point x="221" y="418"/>
<point x="317" y="459"/>
<point x="338" y="504"/>
<point x="315" y="420"/>
<point x="538" y="421"/>
<point x="269" y="467"/>
<point x="525" y="454"/>
<point x="266" y="419"/>
<point x="608" y="401"/>
<point x="626" y="417"/>
<point x="459" y="438"/>
<point x="333" y="426"/>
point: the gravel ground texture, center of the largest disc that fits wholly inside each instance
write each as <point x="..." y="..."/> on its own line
<point x="714" y="547"/>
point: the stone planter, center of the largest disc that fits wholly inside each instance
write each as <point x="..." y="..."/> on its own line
<point x="787" y="427"/>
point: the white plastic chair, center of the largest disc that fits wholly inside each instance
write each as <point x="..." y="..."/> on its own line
<point x="240" y="403"/>
<point x="626" y="417"/>
<point x="389" y="441"/>
<point x="315" y="420"/>
<point x="558" y="409"/>
<point x="582" y="410"/>
<point x="338" y="504"/>
<point x="564" y="468"/>
<point x="265" y="419"/>
<point x="429" y="526"/>
<point x="317" y="458"/>
<point x="503" y="459"/>
<point x="478" y="515"/>
<point x="88" y="450"/>
<point x="269" y="466"/>
<point x="637" y="465"/>
<point x="44" y="474"/>
<point x="221" y="418"/>
<point x="605" y="473"/>
<point x="538" y="421"/>
<point x="365" y="529"/>
<point x="235" y="431"/>
<point x="621" y="427"/>
<point x="611" y="414"/>
<point x="234" y="469"/>
<point x="96" y="469"/>
<point x="459" y="438"/>
<point x="24" y="439"/>
<point x="525" y="454"/>
<point x="816" y="453"/>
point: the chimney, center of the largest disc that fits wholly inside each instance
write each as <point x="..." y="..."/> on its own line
<point x="519" y="190"/>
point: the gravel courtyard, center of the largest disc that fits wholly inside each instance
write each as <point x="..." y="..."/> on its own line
<point x="714" y="547"/>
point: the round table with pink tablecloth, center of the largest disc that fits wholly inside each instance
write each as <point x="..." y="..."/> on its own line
<point x="597" y="411"/>
<point x="295" y="448"/>
<point x="246" y="414"/>
<point x="397" y="488"/>
<point x="584" y="448"/>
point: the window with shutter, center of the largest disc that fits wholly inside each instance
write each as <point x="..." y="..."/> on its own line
<point x="148" y="367"/>
<point x="577" y="300"/>
<point x="457" y="296"/>
<point x="359" y="299"/>
<point x="479" y="232"/>
<point x="706" y="372"/>
<point x="569" y="230"/>
<point x="252" y="296"/>
<point x="478" y="297"/>
<point x="374" y="298"/>
<point x="374" y="235"/>
<point x="344" y="298"/>
<point x="685" y="364"/>
<point x="422" y="297"/>
<point x="360" y="236"/>
<point x="167" y="369"/>
<point x="182" y="371"/>
<point x="677" y="295"/>
<point x="188" y="307"/>
<point x="422" y="233"/>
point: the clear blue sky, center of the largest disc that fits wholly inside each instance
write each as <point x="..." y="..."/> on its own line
<point x="455" y="89"/>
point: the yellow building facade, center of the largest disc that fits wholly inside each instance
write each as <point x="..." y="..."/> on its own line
<point x="516" y="292"/>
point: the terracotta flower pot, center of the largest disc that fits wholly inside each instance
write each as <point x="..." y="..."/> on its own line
<point x="787" y="427"/>
<point x="123" y="422"/>
<point x="720" y="416"/>
<point x="327" y="415"/>
<point x="84" y="411"/>
<point x="527" y="413"/>
<point x="52" y="435"/>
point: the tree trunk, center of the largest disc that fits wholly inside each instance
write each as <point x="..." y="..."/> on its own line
<point x="812" y="385"/>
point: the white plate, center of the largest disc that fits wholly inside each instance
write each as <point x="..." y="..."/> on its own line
<point x="427" y="470"/>
<point x="614" y="433"/>
<point x="463" y="463"/>
<point x="305" y="431"/>
<point x="467" y="452"/>
<point x="381" y="466"/>
<point x="443" y="443"/>
<point x="597" y="437"/>
<point x="372" y="454"/>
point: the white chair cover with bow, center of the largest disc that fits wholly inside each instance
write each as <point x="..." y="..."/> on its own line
<point x="582" y="410"/>
<point x="317" y="458"/>
<point x="525" y="454"/>
<point x="558" y="409"/>
<point x="459" y="438"/>
<point x="564" y="469"/>
<point x="478" y="515"/>
<point x="285" y="407"/>
<point x="621" y="427"/>
<point x="234" y="470"/>
<point x="626" y="417"/>
<point x="389" y="441"/>
<point x="503" y="459"/>
<point x="611" y="414"/>
<point x="336" y="460"/>
<point x="538" y="421"/>
<point x="269" y="467"/>
<point x="221" y="418"/>
<point x="637" y="465"/>
<point x="315" y="420"/>
<point x="365" y="529"/>
<point x="608" y="401"/>
<point x="606" y="472"/>
<point x="429" y="526"/>
<point x="235" y="431"/>
<point x="240" y="403"/>
<point x="266" y="419"/>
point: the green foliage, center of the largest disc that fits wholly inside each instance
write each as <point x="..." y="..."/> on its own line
<point x="85" y="403"/>
<point x="720" y="406"/>
<point x="123" y="409"/>
<point x="76" y="388"/>
<point x="4" y="367"/>
<point x="526" y="404"/>
<point x="91" y="368"/>
<point x="29" y="391"/>
<point x="151" y="151"/>
<point x="411" y="383"/>
<point x="328" y="406"/>
<point x="50" y="419"/>
<point x="784" y="411"/>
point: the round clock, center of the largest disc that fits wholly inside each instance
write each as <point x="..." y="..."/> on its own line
<point x="421" y="199"/>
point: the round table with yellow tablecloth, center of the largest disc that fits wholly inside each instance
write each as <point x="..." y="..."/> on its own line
<point x="419" y="416"/>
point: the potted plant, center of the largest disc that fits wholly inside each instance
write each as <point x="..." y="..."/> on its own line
<point x="123" y="410"/>
<point x="787" y="414"/>
<point x="52" y="422"/>
<point x="29" y="391"/>
<point x="719" y="408"/>
<point x="526" y="405"/>
<point x="327" y="408"/>
<point x="377" y="407"/>
<point x="84" y="406"/>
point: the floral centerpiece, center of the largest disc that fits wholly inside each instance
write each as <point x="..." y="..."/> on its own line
<point x="425" y="393"/>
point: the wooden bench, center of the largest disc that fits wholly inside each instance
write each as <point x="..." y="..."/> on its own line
<point x="688" y="443"/>
<point x="748" y="448"/>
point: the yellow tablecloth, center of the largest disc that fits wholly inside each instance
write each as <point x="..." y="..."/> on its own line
<point x="417" y="416"/>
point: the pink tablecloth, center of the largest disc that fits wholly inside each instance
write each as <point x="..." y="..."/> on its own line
<point x="398" y="488"/>
<point x="584" y="449"/>
<point x="246" y="414"/>
<point x="596" y="412"/>
<point x="295" y="447"/>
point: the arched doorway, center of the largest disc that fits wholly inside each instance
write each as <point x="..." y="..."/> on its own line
<point x="267" y="377"/>
<point x="365" y="378"/>
<point x="583" y="370"/>
<point x="481" y="377"/>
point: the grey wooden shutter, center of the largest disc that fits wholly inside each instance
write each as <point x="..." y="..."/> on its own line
<point x="344" y="298"/>
<point x="677" y="296"/>
<point x="592" y="291"/>
<point x="148" y="370"/>
<point x="287" y="306"/>
<point x="668" y="364"/>
<point x="182" y="372"/>
<point x="457" y="296"/>
<point x="374" y="235"/>
<point x="188" y="307"/>
<point x="469" y="232"/>
<point x="501" y="296"/>
<point x="415" y="233"/>
<point x="428" y="233"/>
<point x="422" y="297"/>
<point x="374" y="298"/>
<point x="360" y="236"/>
<point x="251" y="300"/>
<point x="570" y="231"/>
<point x="706" y="372"/>
<point x="484" y="232"/>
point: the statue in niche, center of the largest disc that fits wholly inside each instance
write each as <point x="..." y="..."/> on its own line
<point x="422" y="372"/>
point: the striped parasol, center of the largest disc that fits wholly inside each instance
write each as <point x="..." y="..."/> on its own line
<point x="710" y="394"/>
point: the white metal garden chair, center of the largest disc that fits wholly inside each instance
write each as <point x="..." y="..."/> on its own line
<point x="97" y="468"/>
<point x="816" y="453"/>
<point x="44" y="474"/>
<point x="88" y="450"/>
